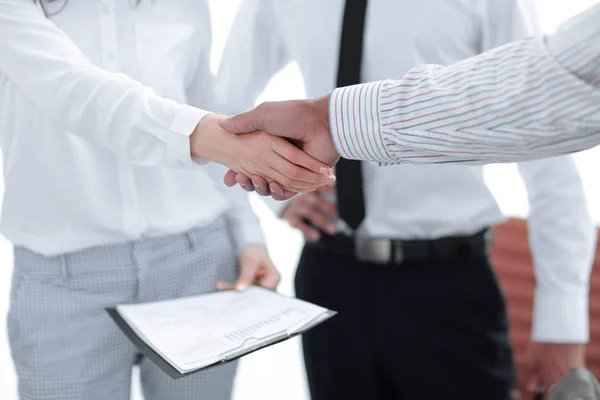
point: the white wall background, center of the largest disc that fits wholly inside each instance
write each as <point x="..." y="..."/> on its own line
<point x="277" y="373"/>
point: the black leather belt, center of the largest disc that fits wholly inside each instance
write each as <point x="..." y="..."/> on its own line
<point x="394" y="251"/>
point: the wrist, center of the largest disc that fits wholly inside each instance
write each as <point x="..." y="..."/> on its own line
<point x="210" y="142"/>
<point x="320" y="108"/>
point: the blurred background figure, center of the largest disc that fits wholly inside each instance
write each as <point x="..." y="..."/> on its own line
<point x="403" y="253"/>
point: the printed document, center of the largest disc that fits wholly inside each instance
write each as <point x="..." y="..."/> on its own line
<point x="193" y="333"/>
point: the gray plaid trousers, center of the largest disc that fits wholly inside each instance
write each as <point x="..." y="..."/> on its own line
<point x="65" y="346"/>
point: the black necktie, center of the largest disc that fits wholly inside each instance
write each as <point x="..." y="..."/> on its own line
<point x="349" y="183"/>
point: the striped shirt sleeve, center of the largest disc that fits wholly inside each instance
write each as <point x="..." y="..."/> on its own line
<point x="536" y="98"/>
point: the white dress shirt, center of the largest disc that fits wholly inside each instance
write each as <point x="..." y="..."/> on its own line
<point x="407" y="201"/>
<point x="93" y="153"/>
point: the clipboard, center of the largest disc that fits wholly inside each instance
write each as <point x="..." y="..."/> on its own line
<point x="228" y="357"/>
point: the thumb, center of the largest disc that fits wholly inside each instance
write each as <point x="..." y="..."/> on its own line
<point x="249" y="268"/>
<point x="246" y="122"/>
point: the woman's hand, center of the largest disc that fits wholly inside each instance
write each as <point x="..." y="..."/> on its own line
<point x="259" y="154"/>
<point x="256" y="268"/>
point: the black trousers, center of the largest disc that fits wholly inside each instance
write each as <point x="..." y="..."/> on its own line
<point x="420" y="331"/>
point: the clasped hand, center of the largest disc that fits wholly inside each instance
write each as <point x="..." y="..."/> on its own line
<point x="280" y="148"/>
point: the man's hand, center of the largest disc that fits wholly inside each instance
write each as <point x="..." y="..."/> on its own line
<point x="544" y="363"/>
<point x="256" y="268"/>
<point x="305" y="122"/>
<point x="314" y="208"/>
<point x="258" y="153"/>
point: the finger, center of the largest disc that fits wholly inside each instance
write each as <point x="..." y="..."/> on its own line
<point x="548" y="378"/>
<point x="270" y="278"/>
<point x="270" y="281"/>
<point x="249" y="269"/>
<point x="244" y="182"/>
<point x="287" y="183"/>
<point x="298" y="157"/>
<point x="297" y="177"/>
<point x="515" y="395"/>
<point x="224" y="286"/>
<point x="246" y="122"/>
<point x="276" y="190"/>
<point x="525" y="372"/>
<point x="312" y="171"/>
<point x="308" y="232"/>
<point x="319" y="220"/>
<point x="531" y="386"/>
<point x="325" y="207"/>
<point x="525" y="394"/>
<point x="536" y="394"/>
<point x="260" y="185"/>
<point x="230" y="178"/>
<point x="278" y="193"/>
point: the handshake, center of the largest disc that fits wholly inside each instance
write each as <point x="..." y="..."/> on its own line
<point x="278" y="149"/>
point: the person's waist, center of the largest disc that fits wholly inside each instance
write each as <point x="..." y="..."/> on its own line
<point x="382" y="250"/>
<point x="52" y="242"/>
<point x="116" y="256"/>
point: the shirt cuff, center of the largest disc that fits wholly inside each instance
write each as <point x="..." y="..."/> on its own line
<point x="178" y="146"/>
<point x="560" y="318"/>
<point x="354" y="123"/>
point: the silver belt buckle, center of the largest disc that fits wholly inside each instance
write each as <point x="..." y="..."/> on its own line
<point x="372" y="250"/>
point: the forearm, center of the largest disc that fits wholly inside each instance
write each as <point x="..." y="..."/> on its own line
<point x="530" y="99"/>
<point x="108" y="109"/>
<point x="563" y="242"/>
